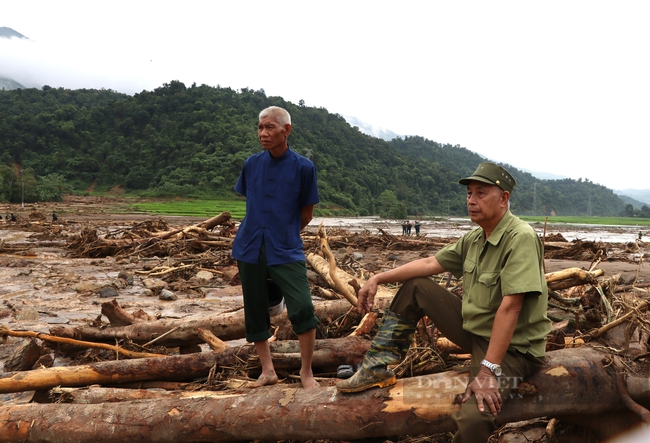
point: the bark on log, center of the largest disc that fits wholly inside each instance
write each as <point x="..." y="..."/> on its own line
<point x="229" y="326"/>
<point x="328" y="354"/>
<point x="96" y="394"/>
<point x="571" y="383"/>
<point x="4" y="331"/>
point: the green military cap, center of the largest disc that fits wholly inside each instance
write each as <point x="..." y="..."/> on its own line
<point x="490" y="173"/>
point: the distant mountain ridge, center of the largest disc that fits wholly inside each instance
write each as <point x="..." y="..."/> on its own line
<point x="8" y="83"/>
<point x="639" y="195"/>
<point x="9" y="33"/>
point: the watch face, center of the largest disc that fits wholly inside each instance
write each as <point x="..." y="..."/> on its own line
<point x="497" y="371"/>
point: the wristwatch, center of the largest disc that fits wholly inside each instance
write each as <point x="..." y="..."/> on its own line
<point x="494" y="368"/>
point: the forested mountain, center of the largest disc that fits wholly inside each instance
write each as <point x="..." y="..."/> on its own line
<point x="192" y="141"/>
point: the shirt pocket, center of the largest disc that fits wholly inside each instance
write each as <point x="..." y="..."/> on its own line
<point x="486" y="289"/>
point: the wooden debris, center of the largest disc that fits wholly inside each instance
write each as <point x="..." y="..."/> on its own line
<point x="286" y="355"/>
<point x="5" y="331"/>
<point x="227" y="326"/>
<point x="572" y="383"/>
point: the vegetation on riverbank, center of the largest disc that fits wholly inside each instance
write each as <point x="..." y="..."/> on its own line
<point x="191" y="142"/>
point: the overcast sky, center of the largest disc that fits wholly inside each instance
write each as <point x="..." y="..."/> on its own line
<point x="555" y="86"/>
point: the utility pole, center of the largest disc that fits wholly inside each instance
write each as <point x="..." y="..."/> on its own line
<point x="22" y="185"/>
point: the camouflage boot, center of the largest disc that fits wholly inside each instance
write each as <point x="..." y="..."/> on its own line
<point x="389" y="346"/>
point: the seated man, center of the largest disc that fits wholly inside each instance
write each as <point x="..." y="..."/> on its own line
<point x="501" y="319"/>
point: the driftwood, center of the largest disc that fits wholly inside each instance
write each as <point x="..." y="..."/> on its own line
<point x="228" y="326"/>
<point x="573" y="384"/>
<point x="199" y="227"/>
<point x="338" y="284"/>
<point x="322" y="267"/>
<point x="366" y="324"/>
<point x="328" y="353"/>
<point x="566" y="278"/>
<point x="143" y="242"/>
<point x="570" y="277"/>
<point x="119" y="317"/>
<point x="5" y="331"/>
<point x="211" y="340"/>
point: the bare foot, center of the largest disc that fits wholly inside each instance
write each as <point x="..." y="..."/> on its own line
<point x="308" y="381"/>
<point x="264" y="380"/>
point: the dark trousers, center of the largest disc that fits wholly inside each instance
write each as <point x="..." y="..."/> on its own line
<point x="422" y="296"/>
<point x="292" y="280"/>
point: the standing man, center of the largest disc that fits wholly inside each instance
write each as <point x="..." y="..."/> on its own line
<point x="280" y="190"/>
<point x="501" y="319"/>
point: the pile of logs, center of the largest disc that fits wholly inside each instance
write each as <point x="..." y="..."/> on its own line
<point x="172" y="380"/>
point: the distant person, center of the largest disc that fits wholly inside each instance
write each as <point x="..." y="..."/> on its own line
<point x="13" y="217"/>
<point x="54" y="216"/>
<point x="501" y="319"/>
<point x="640" y="235"/>
<point x="281" y="191"/>
<point x="409" y="225"/>
<point x="417" y="228"/>
<point x="404" y="225"/>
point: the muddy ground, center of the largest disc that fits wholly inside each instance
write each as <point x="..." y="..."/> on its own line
<point x="52" y="272"/>
<point x="44" y="282"/>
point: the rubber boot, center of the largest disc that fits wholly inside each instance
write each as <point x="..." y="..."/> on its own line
<point x="389" y="346"/>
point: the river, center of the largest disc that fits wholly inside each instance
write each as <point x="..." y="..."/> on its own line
<point x="456" y="227"/>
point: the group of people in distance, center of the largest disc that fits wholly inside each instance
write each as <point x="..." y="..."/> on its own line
<point x="12" y="217"/>
<point x="501" y="319"/>
<point x="407" y="225"/>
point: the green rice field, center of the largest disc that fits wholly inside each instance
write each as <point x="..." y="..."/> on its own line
<point x="192" y="208"/>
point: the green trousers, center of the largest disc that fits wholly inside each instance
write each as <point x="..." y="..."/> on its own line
<point x="422" y="296"/>
<point x="292" y="280"/>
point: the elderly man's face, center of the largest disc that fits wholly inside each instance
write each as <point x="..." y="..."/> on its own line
<point x="273" y="136"/>
<point x="486" y="204"/>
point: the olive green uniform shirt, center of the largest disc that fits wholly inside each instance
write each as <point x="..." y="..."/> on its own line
<point x="509" y="262"/>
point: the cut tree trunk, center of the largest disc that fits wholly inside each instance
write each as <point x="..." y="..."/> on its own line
<point x="97" y="394"/>
<point x="328" y="354"/>
<point x="572" y="383"/>
<point x="229" y="326"/>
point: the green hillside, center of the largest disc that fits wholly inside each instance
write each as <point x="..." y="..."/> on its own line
<point x="192" y="142"/>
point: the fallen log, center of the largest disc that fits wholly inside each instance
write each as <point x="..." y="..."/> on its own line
<point x="97" y="394"/>
<point x="228" y="326"/>
<point x="572" y="383"/>
<point x="5" y="331"/>
<point x="205" y="224"/>
<point x="570" y="277"/>
<point x="328" y="353"/>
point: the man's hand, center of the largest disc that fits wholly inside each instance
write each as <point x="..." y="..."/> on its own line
<point x="366" y="297"/>
<point x="485" y="387"/>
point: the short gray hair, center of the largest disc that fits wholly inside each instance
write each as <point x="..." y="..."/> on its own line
<point x="280" y="115"/>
